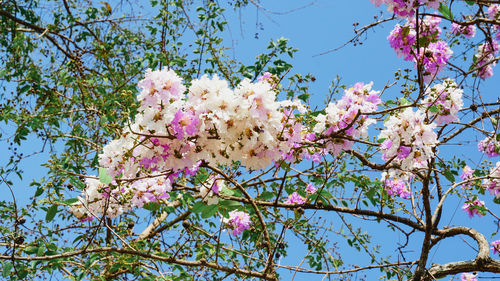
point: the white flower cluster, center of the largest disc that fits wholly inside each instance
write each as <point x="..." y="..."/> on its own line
<point x="173" y="132"/>
<point x="407" y="141"/>
<point x="444" y="101"/>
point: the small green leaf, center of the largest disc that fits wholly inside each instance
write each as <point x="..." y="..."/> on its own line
<point x="51" y="213"/>
<point x="103" y="176"/>
<point x="445" y="11"/>
<point x="70" y="201"/>
<point x="470" y="2"/>
<point x="449" y="176"/>
<point x="433" y="109"/>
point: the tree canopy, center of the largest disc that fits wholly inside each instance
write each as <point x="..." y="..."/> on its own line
<point x="167" y="157"/>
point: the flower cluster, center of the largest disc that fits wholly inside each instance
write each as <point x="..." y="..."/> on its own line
<point x="408" y="141"/>
<point x="474" y="207"/>
<point x="173" y="132"/>
<point x="469" y="31"/>
<point x="484" y="59"/>
<point x="433" y="54"/>
<point x="237" y="221"/>
<point x="396" y="187"/>
<point x="406" y="8"/>
<point x="403" y="38"/>
<point x="295" y="198"/>
<point x="345" y="121"/>
<point x="433" y="58"/>
<point x="495" y="246"/>
<point x="444" y="101"/>
<point x="490" y="146"/>
<point x="113" y="200"/>
<point x="493" y="183"/>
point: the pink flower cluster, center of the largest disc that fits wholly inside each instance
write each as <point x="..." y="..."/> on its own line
<point x="495" y="246"/>
<point x="468" y="277"/>
<point x="493" y="183"/>
<point x="433" y="53"/>
<point x="474" y="207"/>
<point x="397" y="187"/>
<point x="485" y="59"/>
<point x="406" y="8"/>
<point x="345" y="121"/>
<point x="444" y="101"/>
<point x="433" y="58"/>
<point x="468" y="31"/>
<point x="403" y="38"/>
<point x="295" y="198"/>
<point x="490" y="146"/>
<point x="237" y="221"/>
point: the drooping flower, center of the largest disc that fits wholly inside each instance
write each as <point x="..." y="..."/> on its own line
<point x="468" y="31"/>
<point x="474" y="207"/>
<point x="238" y="221"/>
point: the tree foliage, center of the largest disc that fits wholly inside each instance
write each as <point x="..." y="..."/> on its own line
<point x="69" y="72"/>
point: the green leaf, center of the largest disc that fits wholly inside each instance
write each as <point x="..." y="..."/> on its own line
<point x="470" y="2"/>
<point x="7" y="266"/>
<point x="70" y="201"/>
<point x="449" y="176"/>
<point x="51" y="213"/>
<point x="433" y="109"/>
<point x="198" y="207"/>
<point x="209" y="211"/>
<point x="266" y="195"/>
<point x="404" y="101"/>
<point x="103" y="176"/>
<point x="445" y="11"/>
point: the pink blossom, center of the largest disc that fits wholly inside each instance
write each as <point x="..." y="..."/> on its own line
<point x="474" y="207"/>
<point x="494" y="11"/>
<point x="467" y="175"/>
<point x="433" y="59"/>
<point x="238" y="221"/>
<point x="489" y="146"/>
<point x="468" y="31"/>
<point x="492" y="184"/>
<point x="495" y="246"/>
<point x="485" y="59"/>
<point x="295" y="198"/>
<point x="310" y="189"/>
<point x="444" y="101"/>
<point x="397" y="187"/>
